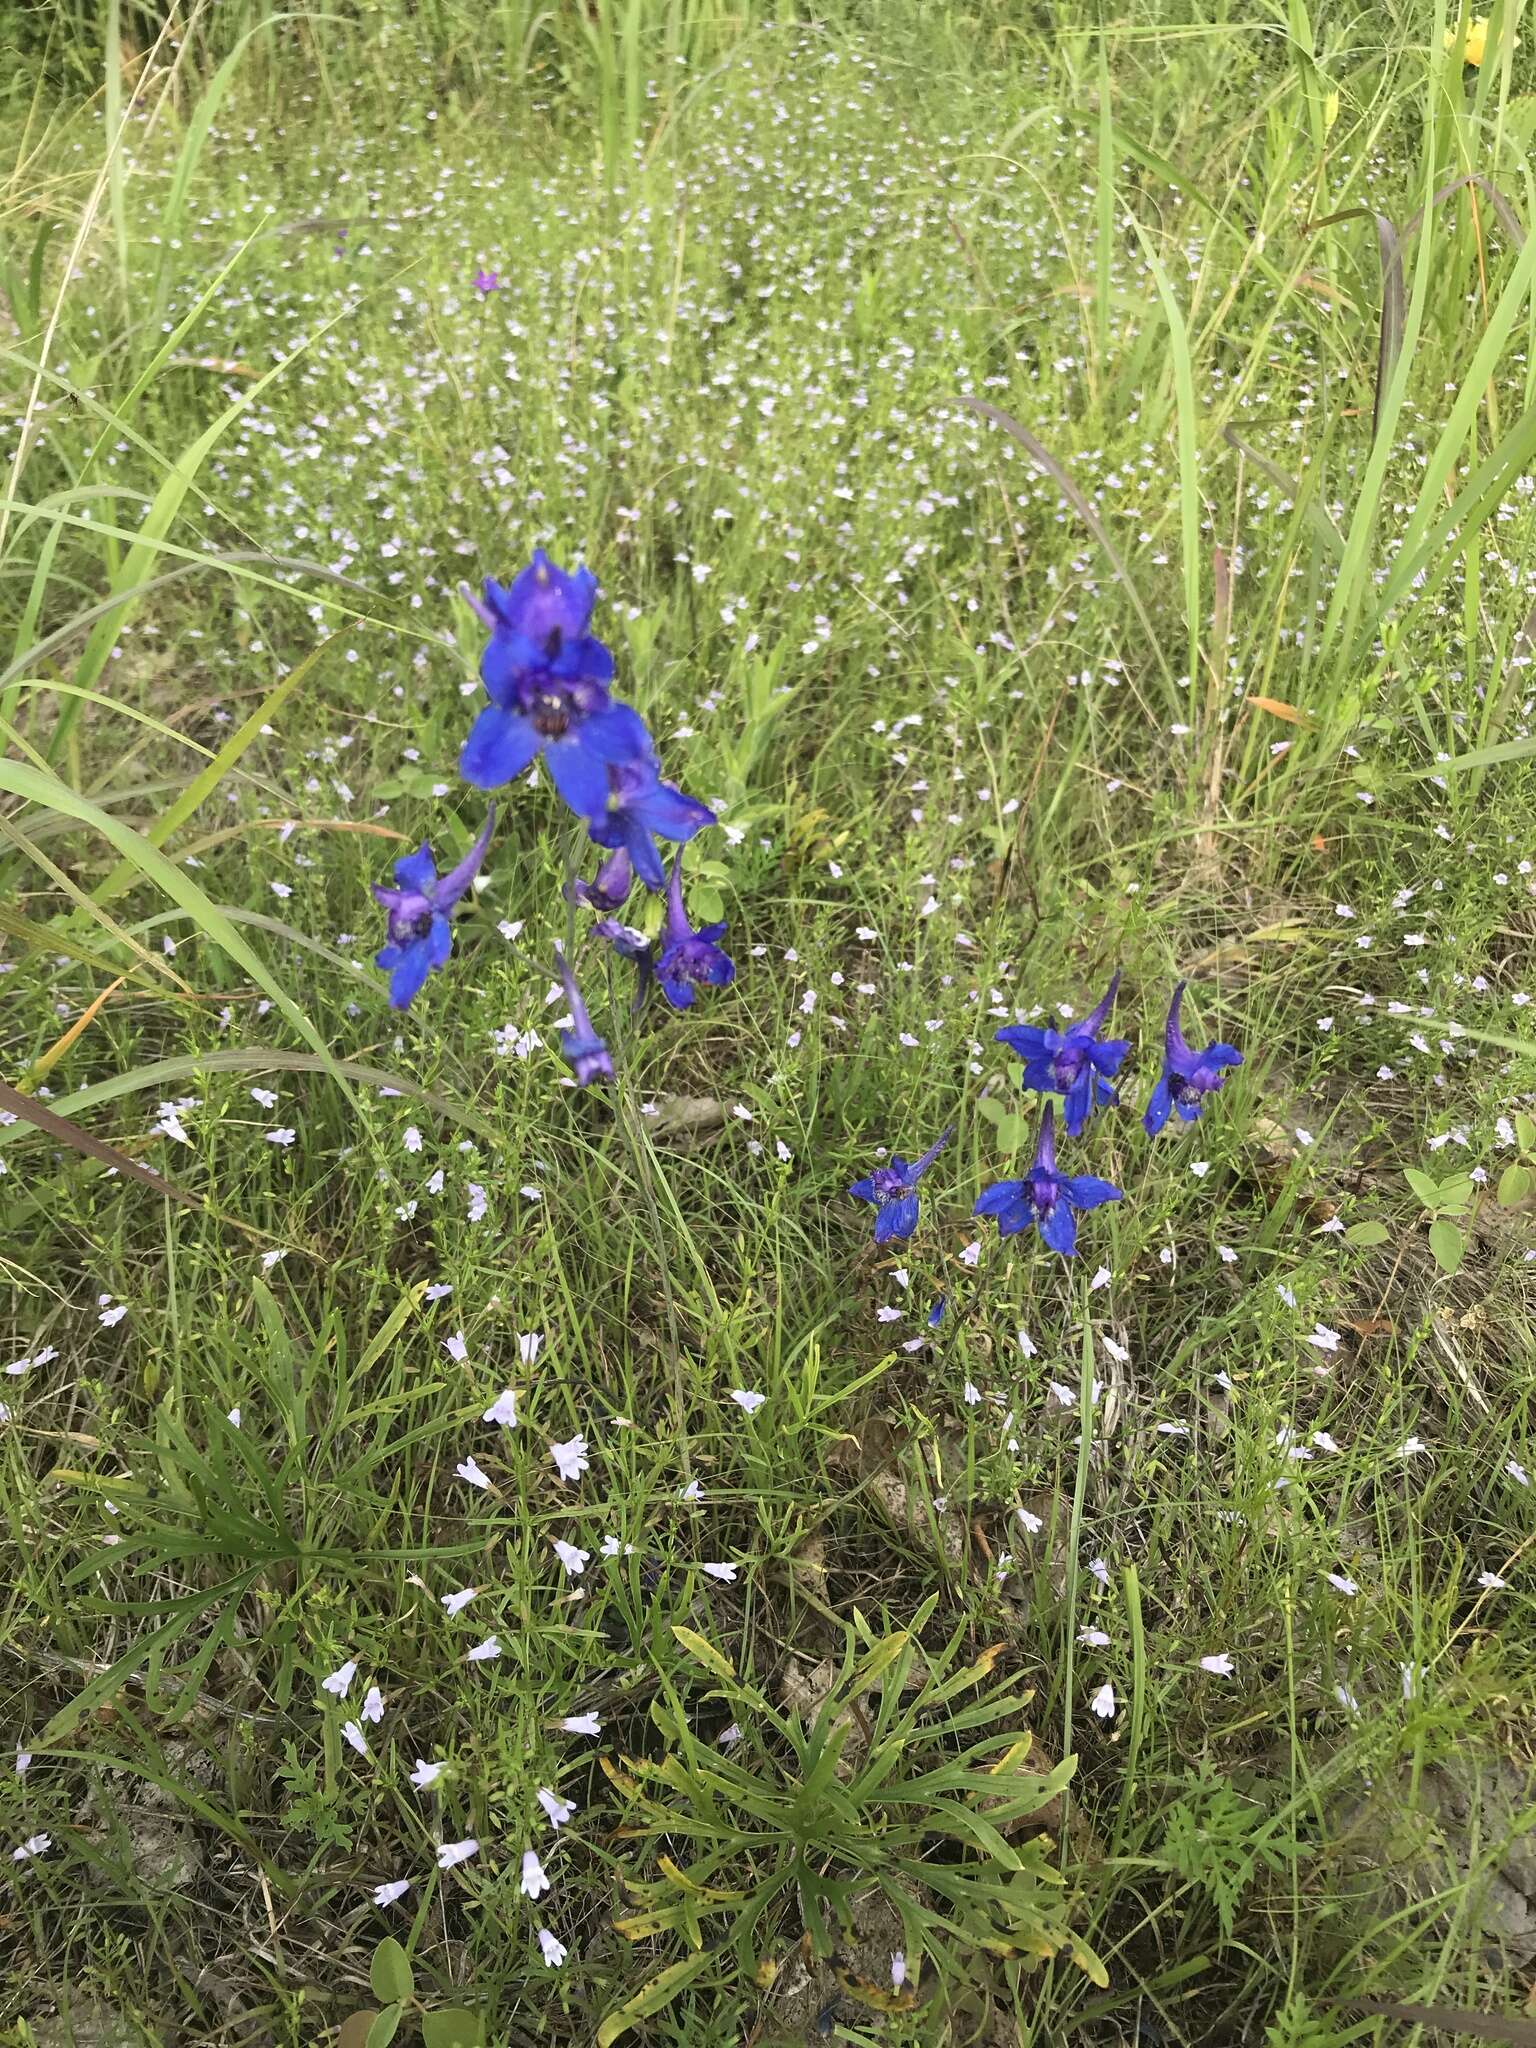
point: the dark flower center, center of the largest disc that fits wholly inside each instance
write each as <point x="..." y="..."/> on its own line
<point x="405" y="929"/>
<point x="1068" y="1063"/>
<point x="1190" y="1090"/>
<point x="551" y="717"/>
<point x="1044" y="1192"/>
<point x="886" y="1182"/>
<point x="553" y="644"/>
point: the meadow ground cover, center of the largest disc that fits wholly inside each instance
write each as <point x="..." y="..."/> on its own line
<point x="858" y="1476"/>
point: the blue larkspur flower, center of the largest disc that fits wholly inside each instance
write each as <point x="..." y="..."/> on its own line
<point x="685" y="957"/>
<point x="1074" y="1063"/>
<point x="1188" y="1076"/>
<point x="640" y="809"/>
<point x="631" y="945"/>
<point x="547" y="677"/>
<point x="610" y="886"/>
<point x="420" y="933"/>
<point x="1046" y="1197"/>
<point x="893" y="1191"/>
<point x="586" y="1053"/>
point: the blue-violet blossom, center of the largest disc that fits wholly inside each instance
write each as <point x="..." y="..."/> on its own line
<point x="1188" y="1076"/>
<point x="684" y="956"/>
<point x="893" y="1190"/>
<point x="546" y="677"/>
<point x="1046" y="1197"/>
<point x="610" y="886"/>
<point x="420" y="934"/>
<point x="640" y="805"/>
<point x="581" y="1046"/>
<point x="1072" y="1063"/>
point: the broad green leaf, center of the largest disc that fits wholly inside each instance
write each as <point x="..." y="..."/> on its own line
<point x="385" y="2027"/>
<point x="389" y="1972"/>
<point x="1367" y="1233"/>
<point x="1448" y="1245"/>
<point x="452" y="2028"/>
<point x="354" y="2029"/>
<point x="1515" y="1184"/>
<point x="1424" y="1185"/>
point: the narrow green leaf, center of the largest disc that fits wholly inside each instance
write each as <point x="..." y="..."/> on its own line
<point x="47" y="791"/>
<point x="652" y="1997"/>
<point x="705" y="1653"/>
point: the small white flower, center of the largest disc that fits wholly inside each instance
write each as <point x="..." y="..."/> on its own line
<point x="1066" y="1395"/>
<point x="571" y="1459"/>
<point x="386" y="1894"/>
<point x="554" y="1952"/>
<point x="581" y="1724"/>
<point x="284" y="1136"/>
<point x="1220" y="1665"/>
<point x="373" y="1706"/>
<point x="1489" y="1581"/>
<point x="471" y="1474"/>
<point x="1517" y="1472"/>
<point x="574" y="1560"/>
<point x="453" y="1853"/>
<point x="426" y="1774"/>
<point x="24" y="1756"/>
<point x="34" y="1845"/>
<point x="1345" y="1586"/>
<point x="528" y="1345"/>
<point x="412" y="1138"/>
<point x="898" y="1969"/>
<point x="747" y="1400"/>
<point x="533" y="1880"/>
<point x="503" y="1409"/>
<point x="456" y="1348"/>
<point x="1346" y="1699"/>
<point x="971" y="1254"/>
<point x="340" y="1680"/>
<point x="558" y="1810"/>
<point x="1099" y="1569"/>
<point x="1032" y="1523"/>
<point x="355" y="1736"/>
<point x="1413" y="1445"/>
<point x="1103" y="1702"/>
<point x="1093" y="1638"/>
<point x="484" y="1653"/>
<point x="725" y="1573"/>
<point x="455" y="1603"/>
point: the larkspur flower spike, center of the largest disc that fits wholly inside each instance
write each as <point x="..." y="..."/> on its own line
<point x="1045" y="1197"/>
<point x="686" y="958"/>
<point x="893" y="1191"/>
<point x="1188" y="1076"/>
<point x="547" y="677"/>
<point x="420" y="934"/>
<point x="1075" y="1063"/>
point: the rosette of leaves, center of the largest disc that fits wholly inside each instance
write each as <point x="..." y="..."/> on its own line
<point x="911" y="1776"/>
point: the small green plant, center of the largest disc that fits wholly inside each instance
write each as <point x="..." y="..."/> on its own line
<point x="393" y="1983"/>
<point x="1444" y="1201"/>
<point x="1217" y="1839"/>
<point x="908" y="1779"/>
